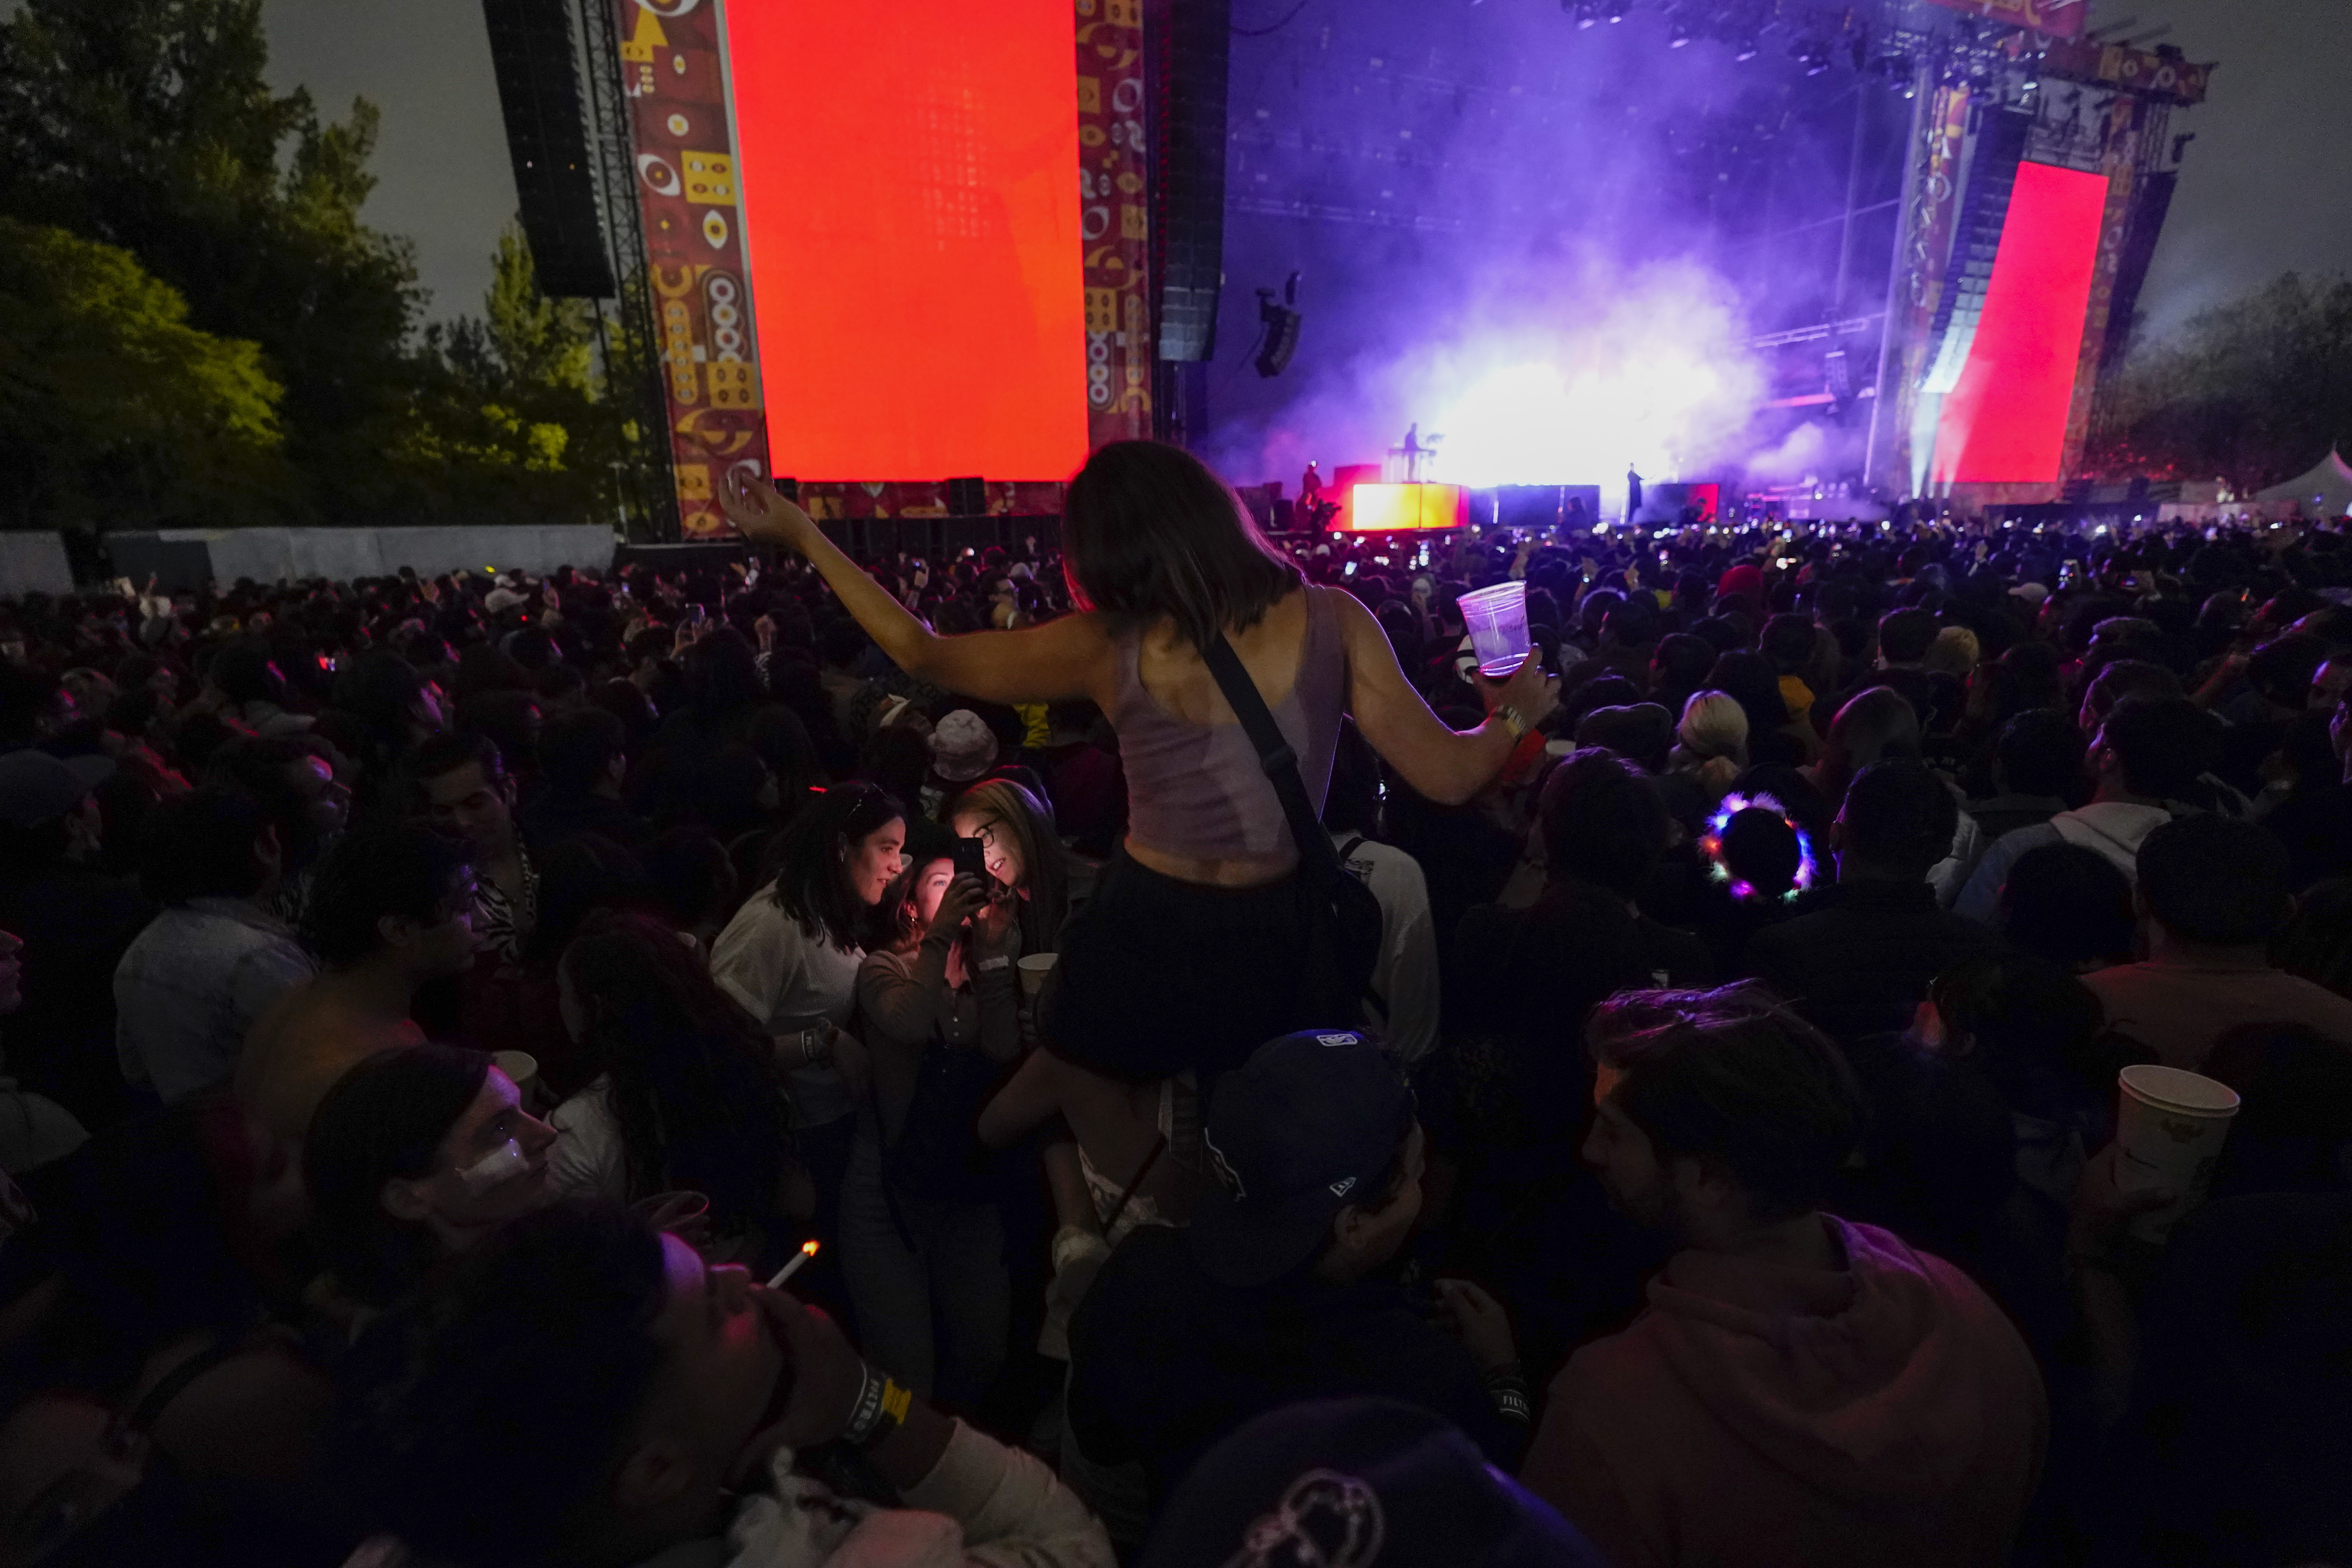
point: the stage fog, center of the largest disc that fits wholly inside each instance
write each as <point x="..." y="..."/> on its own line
<point x="1565" y="248"/>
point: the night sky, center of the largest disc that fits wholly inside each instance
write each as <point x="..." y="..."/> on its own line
<point x="2267" y="186"/>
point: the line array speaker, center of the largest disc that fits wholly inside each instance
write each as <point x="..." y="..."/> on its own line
<point x="546" y="137"/>
<point x="1185" y="53"/>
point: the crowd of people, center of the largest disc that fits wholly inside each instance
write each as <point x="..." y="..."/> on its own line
<point x="1206" y="1075"/>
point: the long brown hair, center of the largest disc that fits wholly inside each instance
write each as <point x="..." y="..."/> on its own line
<point x="1045" y="865"/>
<point x="692" y="1085"/>
<point x="1149" y="531"/>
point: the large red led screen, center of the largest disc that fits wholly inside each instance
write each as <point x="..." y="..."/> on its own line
<point x="910" y="193"/>
<point x="2005" y="421"/>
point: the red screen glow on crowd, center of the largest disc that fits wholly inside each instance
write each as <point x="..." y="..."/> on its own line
<point x="911" y="195"/>
<point x="2006" y="419"/>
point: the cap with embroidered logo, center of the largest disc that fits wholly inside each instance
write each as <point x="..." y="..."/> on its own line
<point x="1356" y="1483"/>
<point x="1310" y="1123"/>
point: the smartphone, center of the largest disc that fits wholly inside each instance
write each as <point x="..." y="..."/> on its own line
<point x="970" y="858"/>
<point x="2069" y="573"/>
<point x="695" y="614"/>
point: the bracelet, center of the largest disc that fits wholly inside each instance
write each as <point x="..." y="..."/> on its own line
<point x="880" y="1408"/>
<point x="815" y="1045"/>
<point x="1511" y="720"/>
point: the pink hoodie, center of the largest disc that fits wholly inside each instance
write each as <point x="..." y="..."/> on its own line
<point x="1758" y="1414"/>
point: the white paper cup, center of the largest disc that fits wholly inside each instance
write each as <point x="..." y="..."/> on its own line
<point x="1496" y="620"/>
<point x="2171" y="1126"/>
<point x="1033" y="970"/>
<point x="519" y="1065"/>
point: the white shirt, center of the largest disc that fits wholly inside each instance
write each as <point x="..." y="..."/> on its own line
<point x="587" y="1162"/>
<point x="1405" y="977"/>
<point x="788" y="981"/>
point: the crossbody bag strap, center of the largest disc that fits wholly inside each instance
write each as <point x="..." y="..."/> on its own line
<point x="1274" y="753"/>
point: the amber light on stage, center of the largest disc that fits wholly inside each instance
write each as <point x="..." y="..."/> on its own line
<point x="1404" y="508"/>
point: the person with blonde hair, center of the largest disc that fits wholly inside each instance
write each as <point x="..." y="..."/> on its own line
<point x="1711" y="741"/>
<point x="1021" y="852"/>
<point x="1955" y="652"/>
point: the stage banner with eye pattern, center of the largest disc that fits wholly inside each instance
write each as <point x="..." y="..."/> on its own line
<point x="1114" y="219"/>
<point x="672" y="71"/>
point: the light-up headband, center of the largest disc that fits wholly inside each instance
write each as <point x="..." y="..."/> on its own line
<point x="1711" y="845"/>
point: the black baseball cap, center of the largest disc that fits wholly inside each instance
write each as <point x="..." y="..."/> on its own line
<point x="1309" y="1125"/>
<point x="1356" y="1483"/>
<point x="35" y="787"/>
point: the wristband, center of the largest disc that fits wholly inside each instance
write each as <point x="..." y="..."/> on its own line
<point x="1511" y="720"/>
<point x="881" y="1407"/>
<point x="990" y="965"/>
<point x="1509" y="1395"/>
<point x="1525" y="754"/>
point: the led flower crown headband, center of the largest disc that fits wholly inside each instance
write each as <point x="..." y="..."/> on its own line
<point x="1711" y="845"/>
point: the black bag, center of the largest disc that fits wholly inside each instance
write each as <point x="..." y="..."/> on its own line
<point x="937" y="1156"/>
<point x="1339" y="915"/>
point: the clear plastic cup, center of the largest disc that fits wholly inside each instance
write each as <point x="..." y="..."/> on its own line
<point x="1496" y="620"/>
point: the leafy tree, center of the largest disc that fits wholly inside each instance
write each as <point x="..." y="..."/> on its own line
<point x="148" y="124"/>
<point x="112" y="408"/>
<point x="2254" y="390"/>
<point x="518" y="414"/>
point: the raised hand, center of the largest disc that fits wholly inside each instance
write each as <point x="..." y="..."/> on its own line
<point x="761" y="512"/>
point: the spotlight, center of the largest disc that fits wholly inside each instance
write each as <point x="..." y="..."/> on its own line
<point x="1617" y="10"/>
<point x="1814" y="52"/>
<point x="1679" y="38"/>
<point x="1749" y="49"/>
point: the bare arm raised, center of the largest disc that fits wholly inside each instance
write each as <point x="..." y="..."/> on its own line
<point x="1447" y="765"/>
<point x="1068" y="657"/>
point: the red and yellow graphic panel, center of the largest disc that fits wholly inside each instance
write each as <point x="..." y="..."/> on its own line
<point x="689" y="191"/>
<point x="1114" y="221"/>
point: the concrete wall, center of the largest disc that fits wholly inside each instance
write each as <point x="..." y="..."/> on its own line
<point x="278" y="554"/>
<point x="33" y="563"/>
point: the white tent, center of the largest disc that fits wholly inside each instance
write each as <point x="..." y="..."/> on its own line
<point x="2329" y="485"/>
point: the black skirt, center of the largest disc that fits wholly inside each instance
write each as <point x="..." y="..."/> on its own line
<point x="1159" y="975"/>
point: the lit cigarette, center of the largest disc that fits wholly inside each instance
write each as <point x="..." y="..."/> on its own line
<point x="808" y="1250"/>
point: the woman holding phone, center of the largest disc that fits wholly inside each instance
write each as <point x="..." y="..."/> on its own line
<point x="925" y="1258"/>
<point x="1191" y="950"/>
